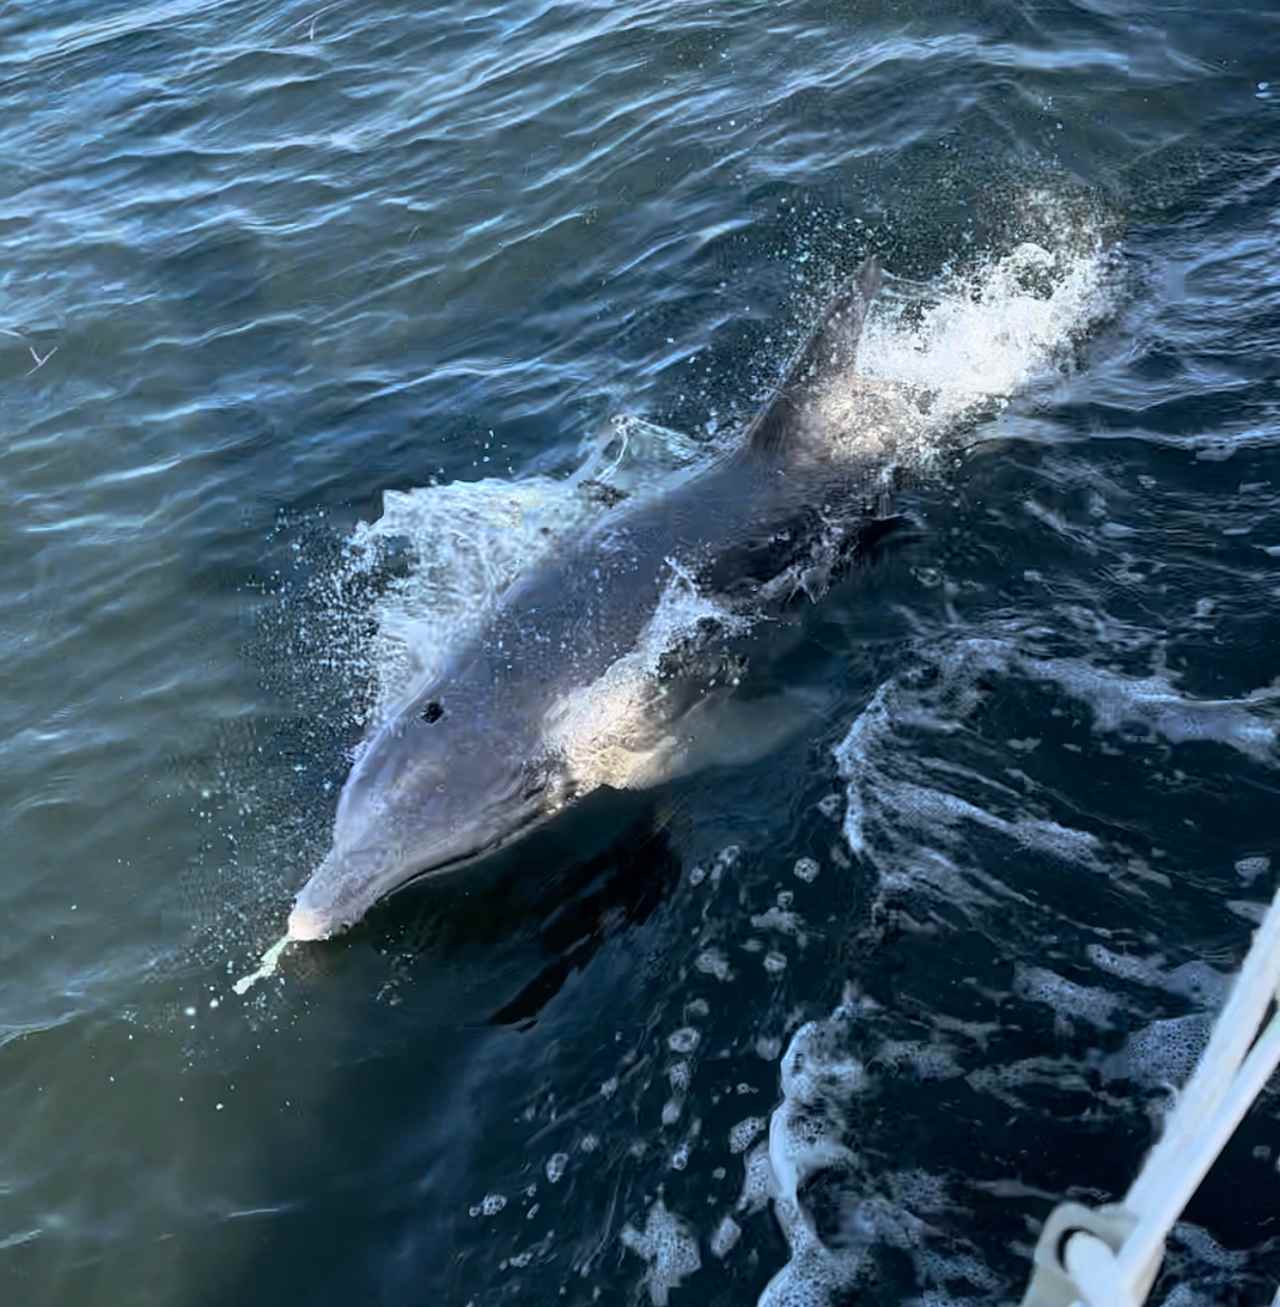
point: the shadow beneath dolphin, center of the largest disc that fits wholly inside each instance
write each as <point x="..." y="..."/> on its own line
<point x="533" y="915"/>
<point x="606" y="895"/>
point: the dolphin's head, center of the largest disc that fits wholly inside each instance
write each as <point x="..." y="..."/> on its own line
<point x="434" y="789"/>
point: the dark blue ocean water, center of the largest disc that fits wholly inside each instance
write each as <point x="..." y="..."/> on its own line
<point x="264" y="264"/>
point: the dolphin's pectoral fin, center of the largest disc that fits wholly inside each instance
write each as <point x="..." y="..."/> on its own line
<point x="751" y="571"/>
<point x="737" y="732"/>
<point x="827" y="557"/>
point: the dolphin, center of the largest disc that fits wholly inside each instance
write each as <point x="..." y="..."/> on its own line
<point x="619" y="660"/>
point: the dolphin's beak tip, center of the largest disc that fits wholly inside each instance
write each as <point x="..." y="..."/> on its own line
<point x="305" y="925"/>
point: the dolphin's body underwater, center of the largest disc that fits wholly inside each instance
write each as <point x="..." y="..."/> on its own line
<point x="615" y="661"/>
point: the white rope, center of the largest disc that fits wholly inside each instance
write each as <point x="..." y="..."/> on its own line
<point x="1105" y="1264"/>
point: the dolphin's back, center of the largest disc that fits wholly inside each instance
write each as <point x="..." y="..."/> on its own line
<point x="731" y="527"/>
<point x="587" y="605"/>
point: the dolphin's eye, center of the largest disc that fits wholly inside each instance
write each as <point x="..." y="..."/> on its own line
<point x="432" y="712"/>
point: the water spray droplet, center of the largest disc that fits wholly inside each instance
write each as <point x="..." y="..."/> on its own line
<point x="266" y="968"/>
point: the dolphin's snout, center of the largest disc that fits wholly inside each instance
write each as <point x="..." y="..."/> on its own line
<point x="308" y="924"/>
<point x="338" y="893"/>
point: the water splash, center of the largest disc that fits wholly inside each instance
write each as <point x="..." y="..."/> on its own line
<point x="267" y="966"/>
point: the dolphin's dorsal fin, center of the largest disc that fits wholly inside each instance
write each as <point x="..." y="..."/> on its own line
<point x="829" y="349"/>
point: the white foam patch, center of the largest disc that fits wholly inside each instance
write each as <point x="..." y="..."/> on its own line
<point x="1068" y="999"/>
<point x="992" y="327"/>
<point x="725" y="1237"/>
<point x="819" y="1078"/>
<point x="1126" y="966"/>
<point x="1197" y="981"/>
<point x="935" y="1267"/>
<point x="1008" y="1082"/>
<point x="986" y="332"/>
<point x="806" y="1135"/>
<point x="713" y="962"/>
<point x="806" y="869"/>
<point x="1249" y="869"/>
<point x="1207" y="1250"/>
<point x="920" y="1191"/>
<point x="926" y="1061"/>
<point x="1164" y="1053"/>
<point x="1152" y="702"/>
<point x="669" y="1245"/>
<point x="781" y="920"/>
<point x="1184" y="1295"/>
<point x="489" y="1205"/>
<point x="684" y="1040"/>
<point x="744" y="1134"/>
<point x="928" y="368"/>
<point x="810" y="1150"/>
<point x="810" y="1134"/>
<point x="757" y="1180"/>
